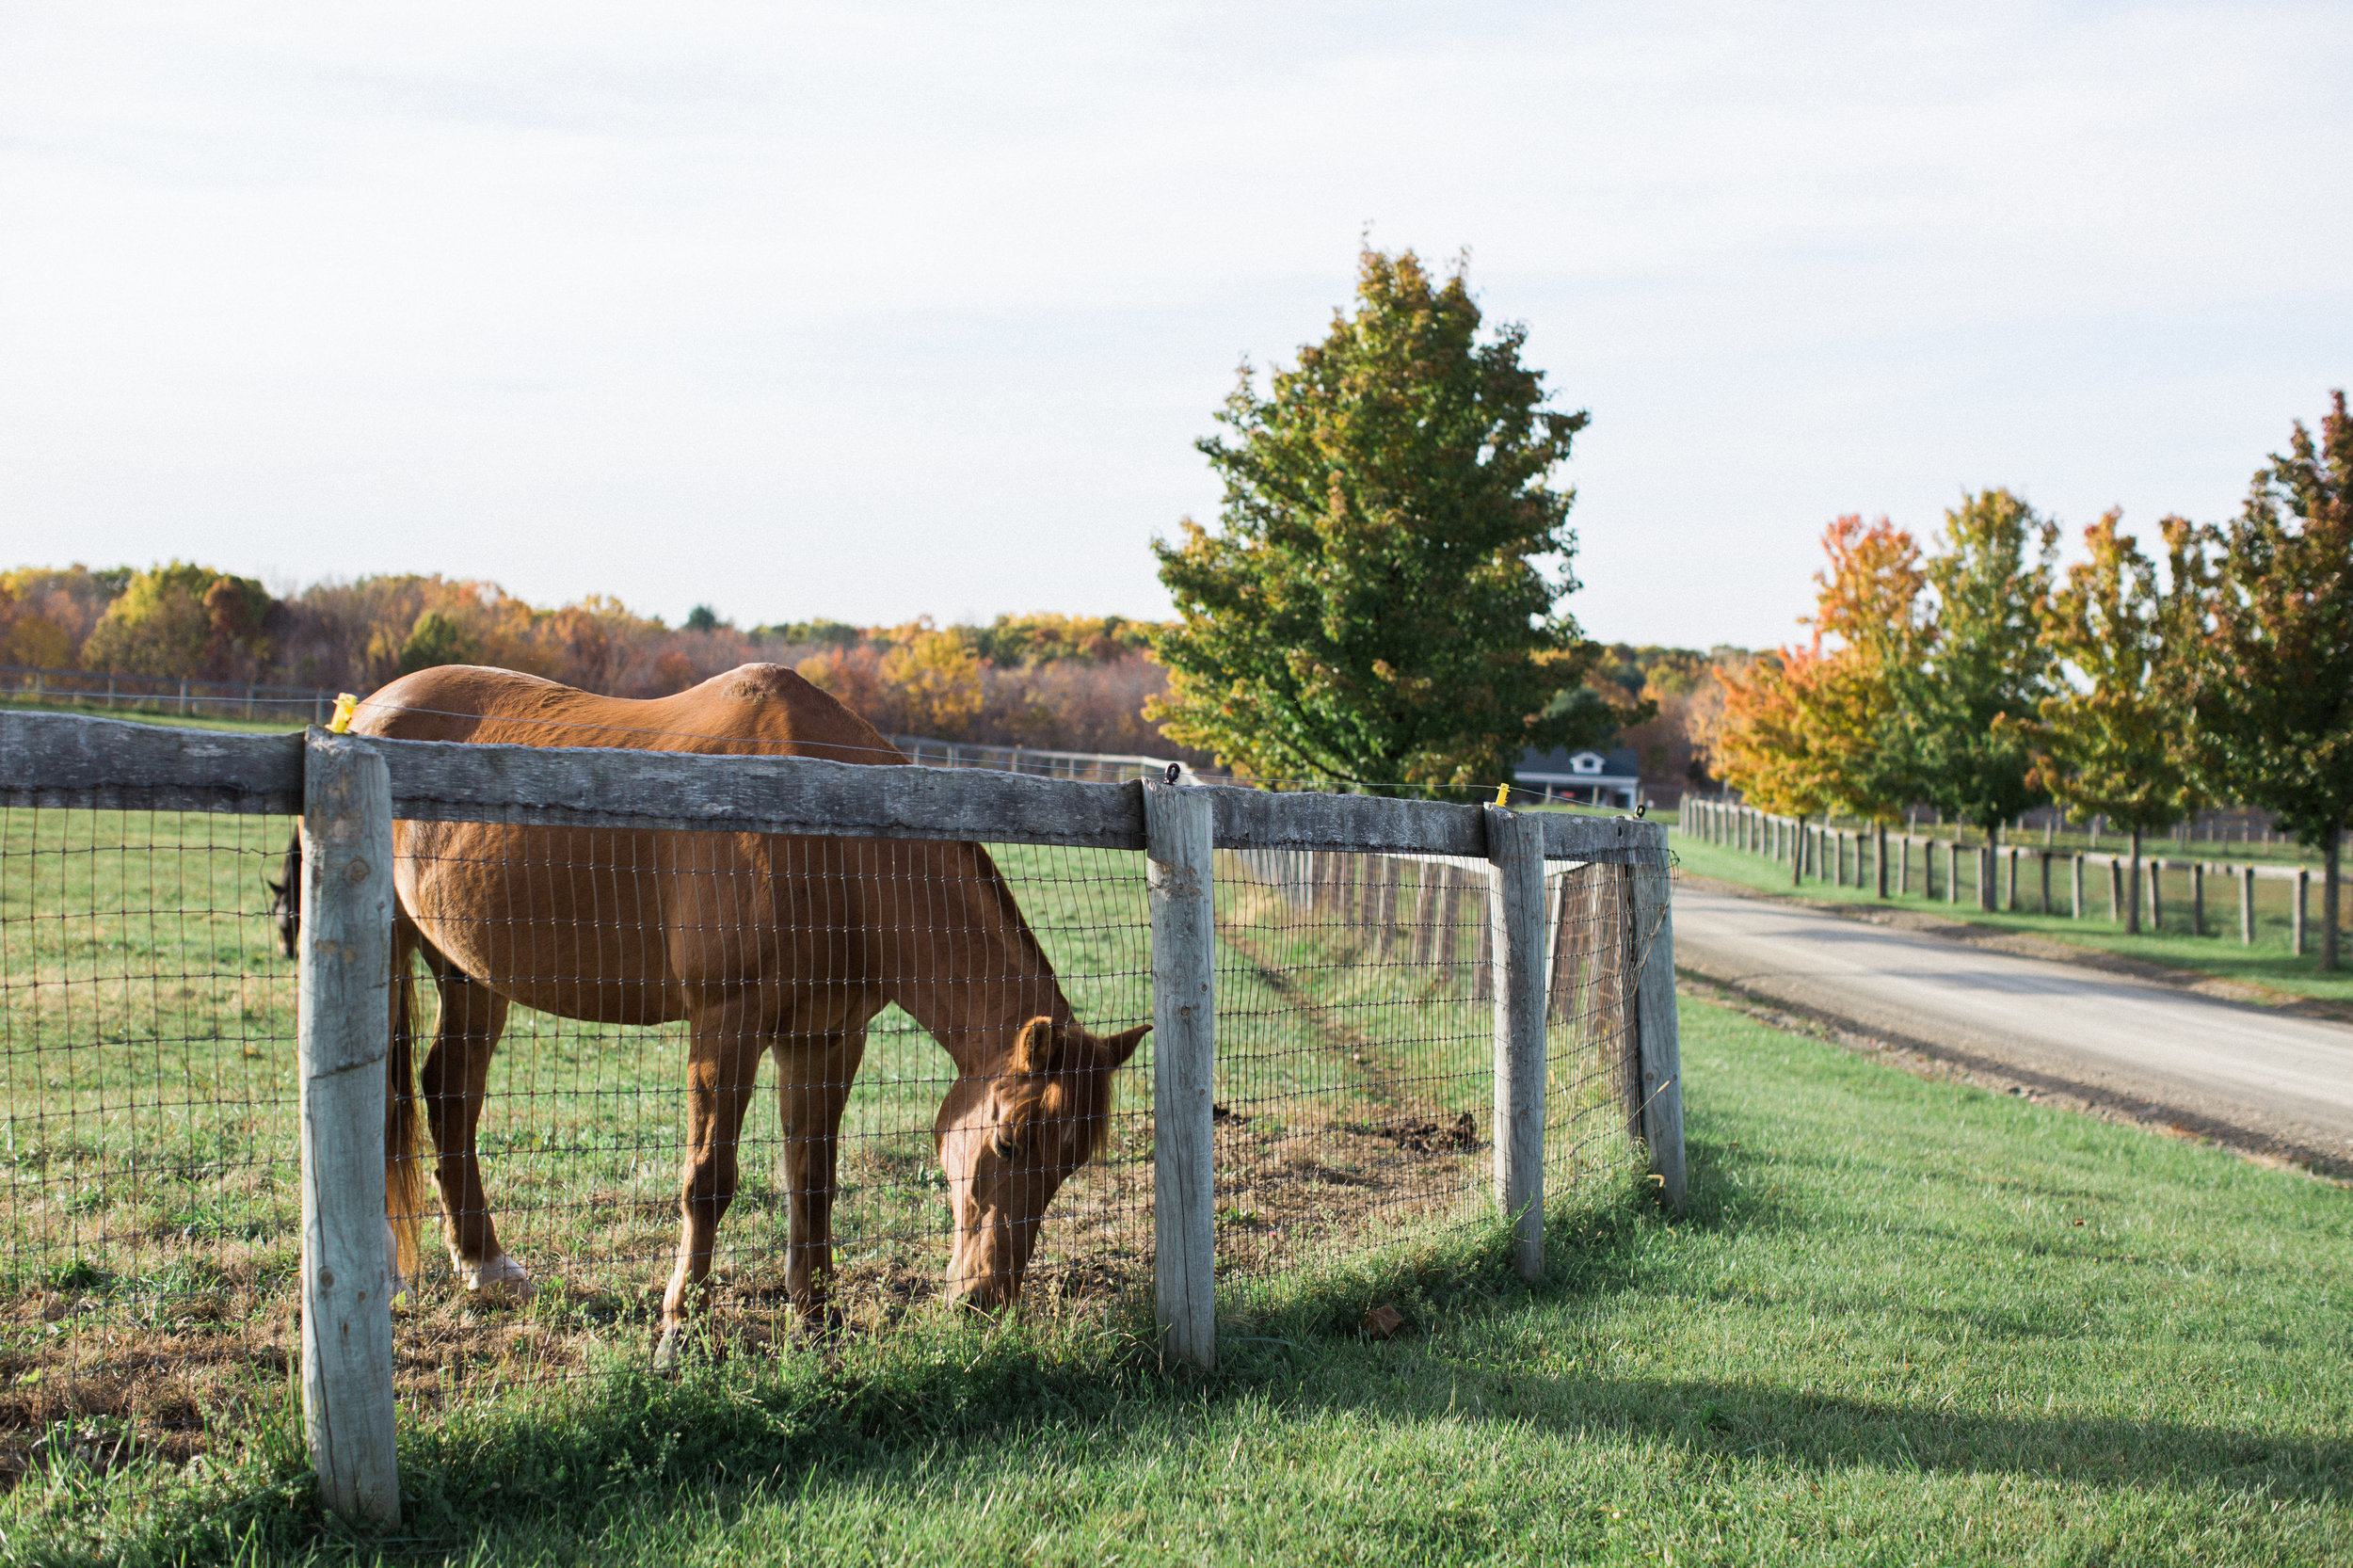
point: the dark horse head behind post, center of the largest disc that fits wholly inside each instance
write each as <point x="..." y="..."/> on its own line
<point x="285" y="897"/>
<point x="763" y="944"/>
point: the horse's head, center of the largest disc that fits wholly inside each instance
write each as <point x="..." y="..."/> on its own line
<point x="1009" y="1140"/>
<point x="285" y="898"/>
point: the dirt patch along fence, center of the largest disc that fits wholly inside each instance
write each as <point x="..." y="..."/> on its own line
<point x="1373" y="1018"/>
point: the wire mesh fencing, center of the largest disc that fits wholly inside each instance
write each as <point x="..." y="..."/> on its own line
<point x="755" y="1084"/>
<point x="146" y="1131"/>
<point x="1356" y="1049"/>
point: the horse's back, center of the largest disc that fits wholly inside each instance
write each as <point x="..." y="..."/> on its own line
<point x="754" y="709"/>
<point x="616" y="925"/>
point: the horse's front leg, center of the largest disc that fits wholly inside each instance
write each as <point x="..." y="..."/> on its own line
<point x="722" y="1056"/>
<point x="813" y="1076"/>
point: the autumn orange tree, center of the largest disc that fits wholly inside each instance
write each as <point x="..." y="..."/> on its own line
<point x="1771" y="743"/>
<point x="2272" y="690"/>
<point x="1870" y="601"/>
<point x="1808" y="733"/>
<point x="2111" y="741"/>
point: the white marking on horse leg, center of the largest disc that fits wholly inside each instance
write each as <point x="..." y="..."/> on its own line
<point x="499" y="1276"/>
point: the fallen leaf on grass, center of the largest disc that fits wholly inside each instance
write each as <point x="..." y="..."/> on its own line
<point x="1382" y="1323"/>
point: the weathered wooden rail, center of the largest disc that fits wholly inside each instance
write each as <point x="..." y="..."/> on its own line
<point x="348" y="790"/>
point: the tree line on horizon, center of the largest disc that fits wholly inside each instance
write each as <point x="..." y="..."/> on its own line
<point x="1053" y="682"/>
<point x="1975" y="677"/>
<point x="1071" y="682"/>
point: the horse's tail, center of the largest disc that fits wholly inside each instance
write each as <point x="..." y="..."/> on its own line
<point x="404" y="1172"/>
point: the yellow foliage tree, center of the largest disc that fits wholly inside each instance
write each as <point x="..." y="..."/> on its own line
<point x="933" y="682"/>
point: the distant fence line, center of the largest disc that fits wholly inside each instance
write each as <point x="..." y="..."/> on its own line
<point x="1092" y="767"/>
<point x="161" y="693"/>
<point x="1845" y="858"/>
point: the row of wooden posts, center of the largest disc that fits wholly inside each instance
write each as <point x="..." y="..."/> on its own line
<point x="1826" y="854"/>
<point x="1597" y="941"/>
<point x="1412" y="910"/>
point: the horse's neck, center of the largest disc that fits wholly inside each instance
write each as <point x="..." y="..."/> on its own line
<point x="962" y="961"/>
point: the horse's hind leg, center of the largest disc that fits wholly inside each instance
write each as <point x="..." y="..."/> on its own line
<point x="456" y="1078"/>
<point x="813" y="1077"/>
<point x="722" y="1059"/>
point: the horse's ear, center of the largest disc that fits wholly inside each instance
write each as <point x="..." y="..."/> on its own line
<point x="1034" y="1048"/>
<point x="1120" y="1046"/>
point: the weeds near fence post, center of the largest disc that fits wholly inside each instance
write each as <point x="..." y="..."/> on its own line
<point x="345" y="1031"/>
<point x="1177" y="826"/>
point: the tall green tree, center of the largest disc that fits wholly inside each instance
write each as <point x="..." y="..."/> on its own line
<point x="1382" y="606"/>
<point x="1978" y="659"/>
<point x="2114" y="744"/>
<point x="2273" y="692"/>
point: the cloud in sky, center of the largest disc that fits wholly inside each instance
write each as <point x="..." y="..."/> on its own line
<point x="873" y="311"/>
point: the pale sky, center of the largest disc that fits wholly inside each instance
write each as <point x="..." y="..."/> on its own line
<point x="883" y="310"/>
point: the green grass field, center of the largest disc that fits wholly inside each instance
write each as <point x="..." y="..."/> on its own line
<point x="148" y="1246"/>
<point x="2271" y="961"/>
<point x="1906" y="1322"/>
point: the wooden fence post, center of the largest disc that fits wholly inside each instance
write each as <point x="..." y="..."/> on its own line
<point x="1449" y="947"/>
<point x="1656" y="1035"/>
<point x="2076" y="910"/>
<point x="2295" y="910"/>
<point x="1177" y="829"/>
<point x="2156" y="899"/>
<point x="1515" y="851"/>
<point x="2045" y="856"/>
<point x="343" y="1031"/>
<point x="1952" y="872"/>
<point x="2116" y="891"/>
<point x="2198" y="898"/>
<point x="1425" y="913"/>
<point x="2247" y="906"/>
<point x="1386" y="875"/>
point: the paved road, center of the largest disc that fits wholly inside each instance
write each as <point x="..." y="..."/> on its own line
<point x="2287" y="1081"/>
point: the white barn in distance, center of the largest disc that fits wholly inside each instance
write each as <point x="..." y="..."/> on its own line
<point x="1589" y="775"/>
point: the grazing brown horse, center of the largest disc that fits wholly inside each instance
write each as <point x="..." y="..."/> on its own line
<point x="786" y="946"/>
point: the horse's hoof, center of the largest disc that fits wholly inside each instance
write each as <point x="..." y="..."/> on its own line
<point x="500" y="1278"/>
<point x="666" y="1355"/>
